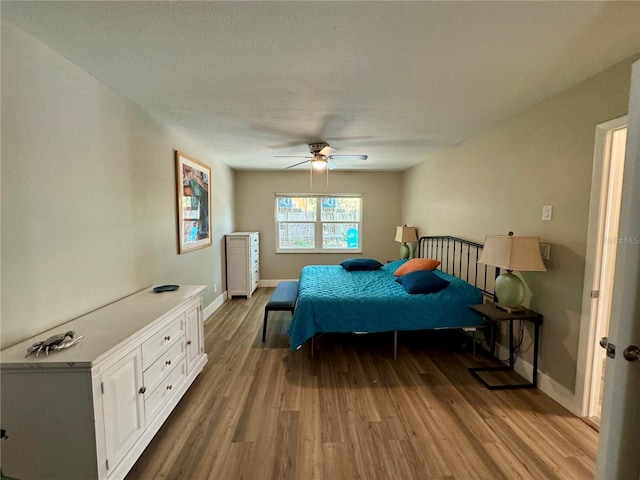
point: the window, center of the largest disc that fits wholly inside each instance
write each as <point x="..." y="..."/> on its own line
<point x="318" y="223"/>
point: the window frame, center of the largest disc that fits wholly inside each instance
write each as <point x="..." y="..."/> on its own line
<point x="318" y="223"/>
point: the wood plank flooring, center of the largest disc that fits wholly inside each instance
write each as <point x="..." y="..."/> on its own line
<point x="260" y="412"/>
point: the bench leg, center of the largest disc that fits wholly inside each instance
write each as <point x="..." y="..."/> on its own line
<point x="264" y="326"/>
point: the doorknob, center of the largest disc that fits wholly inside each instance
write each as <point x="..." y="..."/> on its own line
<point x="631" y="353"/>
<point x="609" y="347"/>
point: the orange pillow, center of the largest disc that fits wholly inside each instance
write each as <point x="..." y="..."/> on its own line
<point x="416" y="264"/>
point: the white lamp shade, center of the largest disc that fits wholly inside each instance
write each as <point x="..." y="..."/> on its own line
<point x="512" y="252"/>
<point x="406" y="234"/>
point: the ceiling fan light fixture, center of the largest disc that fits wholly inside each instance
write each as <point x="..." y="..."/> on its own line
<point x="319" y="163"/>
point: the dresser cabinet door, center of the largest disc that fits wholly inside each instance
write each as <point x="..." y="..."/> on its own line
<point x="194" y="339"/>
<point x="123" y="404"/>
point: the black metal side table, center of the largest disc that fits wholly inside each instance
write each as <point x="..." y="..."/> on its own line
<point x="494" y="314"/>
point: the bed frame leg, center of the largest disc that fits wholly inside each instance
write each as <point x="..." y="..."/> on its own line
<point x="395" y="344"/>
<point x="474" y="341"/>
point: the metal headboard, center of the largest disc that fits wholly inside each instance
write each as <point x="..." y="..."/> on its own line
<point x="459" y="257"/>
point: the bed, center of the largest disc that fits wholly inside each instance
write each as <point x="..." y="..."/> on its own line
<point x="332" y="299"/>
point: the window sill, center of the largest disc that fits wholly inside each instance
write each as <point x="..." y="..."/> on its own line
<point x="337" y="250"/>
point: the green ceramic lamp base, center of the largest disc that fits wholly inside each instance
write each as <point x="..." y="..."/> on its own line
<point x="509" y="290"/>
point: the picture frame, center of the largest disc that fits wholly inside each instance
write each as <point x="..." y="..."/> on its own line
<point x="194" y="203"/>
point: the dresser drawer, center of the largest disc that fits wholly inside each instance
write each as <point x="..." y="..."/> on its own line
<point x="161" y="341"/>
<point x="254" y="280"/>
<point x="156" y="399"/>
<point x="163" y="365"/>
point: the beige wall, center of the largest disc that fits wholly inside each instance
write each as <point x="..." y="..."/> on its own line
<point x="382" y="212"/>
<point x="88" y="195"/>
<point x="498" y="182"/>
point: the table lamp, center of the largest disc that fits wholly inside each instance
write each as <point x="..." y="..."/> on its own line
<point x="510" y="253"/>
<point x="403" y="235"/>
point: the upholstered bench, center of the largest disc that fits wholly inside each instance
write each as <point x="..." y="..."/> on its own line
<point x="283" y="299"/>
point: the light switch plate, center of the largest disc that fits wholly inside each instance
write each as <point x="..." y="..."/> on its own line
<point x="547" y="212"/>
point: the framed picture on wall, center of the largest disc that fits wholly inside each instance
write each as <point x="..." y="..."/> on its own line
<point x="194" y="203"/>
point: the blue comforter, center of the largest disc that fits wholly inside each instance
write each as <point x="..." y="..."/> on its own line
<point x="332" y="299"/>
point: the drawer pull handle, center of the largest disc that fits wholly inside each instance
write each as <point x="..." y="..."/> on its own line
<point x="142" y="390"/>
<point x="188" y="342"/>
<point x="167" y="338"/>
<point x="169" y="387"/>
<point x="168" y="362"/>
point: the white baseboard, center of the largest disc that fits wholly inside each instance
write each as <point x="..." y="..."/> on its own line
<point x="213" y="306"/>
<point x="274" y="283"/>
<point x="217" y="303"/>
<point x="546" y="384"/>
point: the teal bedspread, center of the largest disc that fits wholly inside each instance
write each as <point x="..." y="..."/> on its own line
<point x="332" y="299"/>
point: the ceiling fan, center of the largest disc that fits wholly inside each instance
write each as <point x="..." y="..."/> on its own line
<point x="321" y="157"/>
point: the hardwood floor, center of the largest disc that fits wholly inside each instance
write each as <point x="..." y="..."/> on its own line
<point x="260" y="412"/>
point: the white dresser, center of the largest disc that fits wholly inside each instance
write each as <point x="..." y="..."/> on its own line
<point x="243" y="263"/>
<point x="88" y="412"/>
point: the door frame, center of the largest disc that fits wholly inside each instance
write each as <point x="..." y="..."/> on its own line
<point x="593" y="264"/>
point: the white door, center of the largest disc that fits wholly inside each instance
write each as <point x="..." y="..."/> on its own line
<point x="618" y="456"/>
<point x="123" y="406"/>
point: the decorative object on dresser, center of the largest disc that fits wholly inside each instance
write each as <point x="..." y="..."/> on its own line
<point x="511" y="252"/>
<point x="243" y="263"/>
<point x="59" y="341"/>
<point x="165" y="288"/>
<point x="194" y="203"/>
<point x="107" y="396"/>
<point x="406" y="235"/>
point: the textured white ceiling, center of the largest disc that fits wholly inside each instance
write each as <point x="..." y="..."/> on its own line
<point x="393" y="80"/>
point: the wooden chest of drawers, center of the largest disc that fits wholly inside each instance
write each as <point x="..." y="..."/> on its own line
<point x="243" y="263"/>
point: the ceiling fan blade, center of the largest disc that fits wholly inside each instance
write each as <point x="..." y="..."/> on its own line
<point x="296" y="164"/>
<point x="349" y="157"/>
<point x="326" y="151"/>
<point x="331" y="165"/>
<point x="292" y="156"/>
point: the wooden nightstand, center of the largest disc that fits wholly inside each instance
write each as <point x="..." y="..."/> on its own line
<point x="494" y="314"/>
